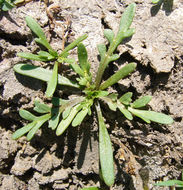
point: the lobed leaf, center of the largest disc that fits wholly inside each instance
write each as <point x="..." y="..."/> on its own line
<point x="27" y="115"/>
<point x="105" y="151"/>
<point x="176" y="183"/>
<point x="83" y="58"/>
<point x="22" y="131"/>
<point x="52" y="84"/>
<point x="42" y="74"/>
<point x="41" y="108"/>
<point x="123" y="72"/>
<point x="141" y="102"/>
<point x="79" y="117"/>
<point x="126" y="98"/>
<point x="66" y="122"/>
<point x="152" y="116"/>
<point x="109" y="34"/>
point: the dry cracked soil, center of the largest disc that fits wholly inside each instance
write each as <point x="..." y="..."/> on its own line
<point x="143" y="153"/>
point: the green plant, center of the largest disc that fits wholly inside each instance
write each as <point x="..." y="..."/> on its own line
<point x="94" y="91"/>
<point x="6" y="5"/>
<point x="172" y="183"/>
<point x="156" y="1"/>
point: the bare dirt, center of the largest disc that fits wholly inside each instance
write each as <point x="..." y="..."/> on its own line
<point x="144" y="153"/>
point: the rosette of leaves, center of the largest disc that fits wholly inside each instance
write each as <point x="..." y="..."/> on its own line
<point x="50" y="55"/>
<point x="73" y="112"/>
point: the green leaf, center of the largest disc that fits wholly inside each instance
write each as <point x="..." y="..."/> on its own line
<point x="112" y="105"/>
<point x="102" y="50"/>
<point x="176" y="183"/>
<point x="45" y="54"/>
<point x="105" y="151"/>
<point x="109" y="34"/>
<point x="101" y="93"/>
<point x="42" y="74"/>
<point x="123" y="72"/>
<point x="73" y="45"/>
<point x="27" y="115"/>
<point x="22" y="131"/>
<point x="90" y="188"/>
<point x="32" y="56"/>
<point x="126" y="98"/>
<point x="155" y="1"/>
<point x="79" y="117"/>
<point x="113" y="57"/>
<point x="127" y="18"/>
<point x="39" y="123"/>
<point x="7" y="5"/>
<point x="124" y="111"/>
<point x="34" y="26"/>
<point x="55" y="115"/>
<point x="41" y="108"/>
<point x="66" y="112"/>
<point x="58" y="101"/>
<point x="53" y="81"/>
<point x="125" y="23"/>
<point x="141" y="102"/>
<point x="83" y="58"/>
<point x="77" y="69"/>
<point x="152" y="116"/>
<point x="66" y="122"/>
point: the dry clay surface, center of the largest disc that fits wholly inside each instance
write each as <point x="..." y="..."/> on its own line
<point x="144" y="153"/>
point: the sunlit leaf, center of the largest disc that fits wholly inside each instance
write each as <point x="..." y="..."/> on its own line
<point x="66" y="122"/>
<point x="105" y="151"/>
<point x="123" y="72"/>
<point x="39" y="123"/>
<point x="83" y="58"/>
<point x="141" y="102"/>
<point x="102" y="50"/>
<point x="32" y="56"/>
<point x="77" y="69"/>
<point x="22" y="131"/>
<point x="124" y="111"/>
<point x="109" y="34"/>
<point x="55" y="115"/>
<point x="27" y="115"/>
<point x="176" y="183"/>
<point x="152" y="116"/>
<point x="41" y="108"/>
<point x="42" y="74"/>
<point x="112" y="105"/>
<point x="126" y="98"/>
<point x="79" y="117"/>
<point x="52" y="84"/>
<point x="113" y="57"/>
<point x="66" y="112"/>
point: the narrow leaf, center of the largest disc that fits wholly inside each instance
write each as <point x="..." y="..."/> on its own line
<point x="37" y="126"/>
<point x="83" y="58"/>
<point x="66" y="112"/>
<point x="42" y="74"/>
<point x="105" y="151"/>
<point x="73" y="45"/>
<point x="123" y="72"/>
<point x="176" y="183"/>
<point x="124" y="111"/>
<point x="53" y="81"/>
<point x="77" y="69"/>
<point x="32" y="56"/>
<point x="112" y="105"/>
<point x="109" y="34"/>
<point x="66" y="122"/>
<point x="113" y="57"/>
<point x="27" y="115"/>
<point x="41" y="108"/>
<point x="79" y="117"/>
<point x="55" y="115"/>
<point x="22" y="131"/>
<point x="152" y="116"/>
<point x="141" y="102"/>
<point x="126" y="98"/>
<point x="102" y="50"/>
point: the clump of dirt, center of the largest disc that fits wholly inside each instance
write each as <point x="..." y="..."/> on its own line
<point x="144" y="153"/>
